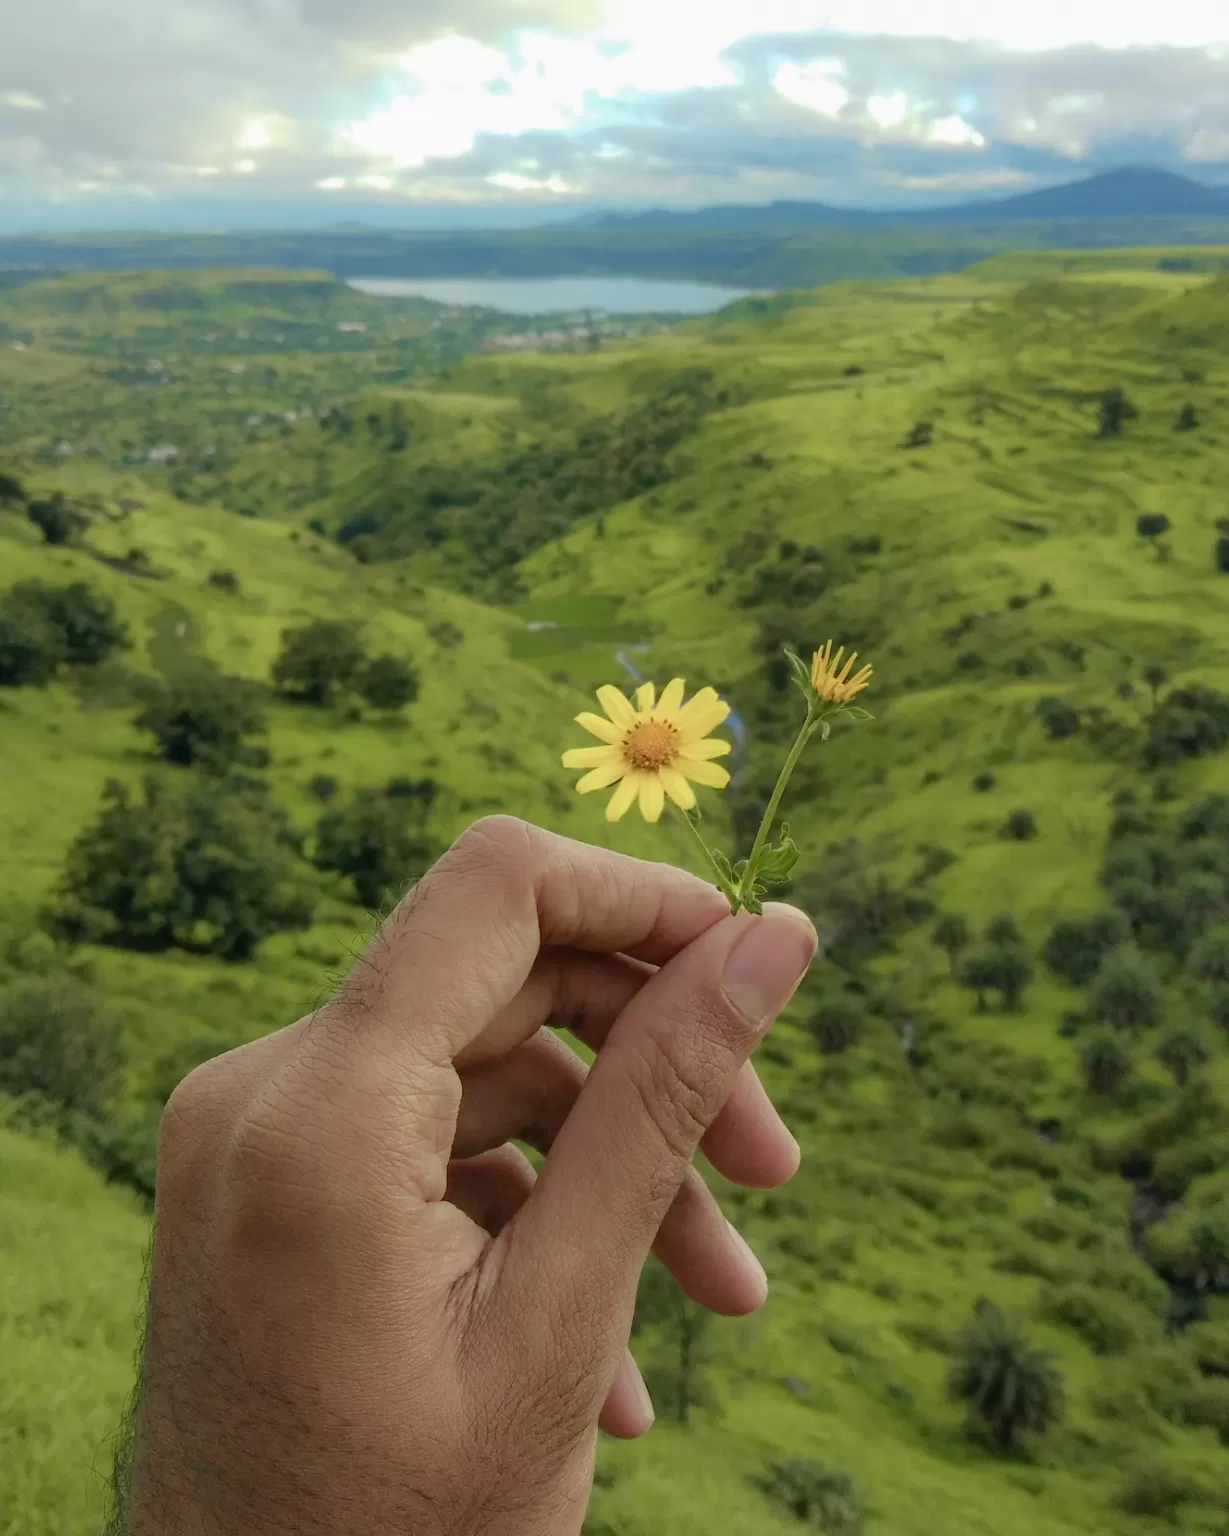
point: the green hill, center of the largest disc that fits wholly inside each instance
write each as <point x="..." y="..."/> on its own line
<point x="916" y="469"/>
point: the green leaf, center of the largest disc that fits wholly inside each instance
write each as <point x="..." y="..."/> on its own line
<point x="723" y="864"/>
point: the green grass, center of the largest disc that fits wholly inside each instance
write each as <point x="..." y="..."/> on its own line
<point x="911" y="1204"/>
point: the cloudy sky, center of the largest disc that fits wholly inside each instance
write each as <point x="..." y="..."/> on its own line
<point x="206" y="111"/>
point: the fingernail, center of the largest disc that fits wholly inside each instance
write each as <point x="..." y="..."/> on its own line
<point x="754" y="1267"/>
<point x="764" y="968"/>
<point x="642" y="1395"/>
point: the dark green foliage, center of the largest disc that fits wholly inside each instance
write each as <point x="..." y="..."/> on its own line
<point x="224" y="581"/>
<point x="818" y="1496"/>
<point x="984" y="783"/>
<point x="1076" y="947"/>
<point x="1127" y="992"/>
<point x="319" y="661"/>
<point x="55" y="1041"/>
<point x="372" y="841"/>
<point x="1192" y="722"/>
<point x="1106" y="1063"/>
<point x="920" y="435"/>
<point x="388" y="683"/>
<point x="30" y="649"/>
<point x="423" y="793"/>
<point x="1020" y="827"/>
<point x="864" y="913"/>
<point x="1005" y="968"/>
<point x="1152" y="525"/>
<point x="1218" y="1006"/>
<point x="1193" y="1248"/>
<point x="1059" y="718"/>
<point x="1003" y="930"/>
<point x="205" y="865"/>
<point x="837" y="1023"/>
<point x="205" y="717"/>
<point x="872" y="544"/>
<point x="1207" y="818"/>
<point x="1183" y="1051"/>
<point x="1188" y="419"/>
<point x="56" y="521"/>
<point x="1114" y="411"/>
<point x="1158" y="1492"/>
<point x="1209" y="959"/>
<point x="1012" y="1391"/>
<point x="89" y="629"/>
<point x="1220" y="553"/>
<point x="323" y="787"/>
<point x="1109" y="1323"/>
<point x="11" y="489"/>
<point x="678" y="1373"/>
<point x="951" y="935"/>
<point x="1157" y="677"/>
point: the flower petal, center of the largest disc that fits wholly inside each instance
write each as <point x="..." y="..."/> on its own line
<point x="617" y="705"/>
<point x="645" y="695"/>
<point x="704" y="773"/>
<point x="591" y="757"/>
<point x="598" y="725"/>
<point x="703" y="751"/>
<point x="621" y="800"/>
<point x="702" y="722"/>
<point x="671" y="700"/>
<point x="601" y="778"/>
<point x="652" y="797"/>
<point x="677" y="787"/>
<point x="695" y="707"/>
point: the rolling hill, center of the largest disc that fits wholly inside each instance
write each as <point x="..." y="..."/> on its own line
<point x="916" y="468"/>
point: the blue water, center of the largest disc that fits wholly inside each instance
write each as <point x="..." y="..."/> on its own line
<point x="559" y="295"/>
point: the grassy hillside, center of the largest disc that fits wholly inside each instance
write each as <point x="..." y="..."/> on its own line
<point x="951" y="1151"/>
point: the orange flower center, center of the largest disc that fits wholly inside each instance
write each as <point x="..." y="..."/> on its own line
<point x="650" y="745"/>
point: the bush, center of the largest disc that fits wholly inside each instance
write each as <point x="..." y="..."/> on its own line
<point x="1005" y="969"/>
<point x="951" y="935"/>
<point x="30" y="648"/>
<point x="370" y="840"/>
<point x="1157" y="1492"/>
<point x="1003" y="930"/>
<point x="1114" y="411"/>
<point x="1020" y="827"/>
<point x="817" y="1495"/>
<point x="1192" y="1247"/>
<point x="224" y="581"/>
<point x="388" y="683"/>
<point x="837" y="1024"/>
<point x="920" y="435"/>
<point x="1188" y="419"/>
<point x="1192" y="722"/>
<point x="1109" y="1324"/>
<point x="1209" y="959"/>
<point x="984" y="783"/>
<point x="88" y="628"/>
<point x="56" y="1042"/>
<point x="1076" y="947"/>
<point x="318" y="661"/>
<point x="323" y="787"/>
<point x="1152" y="525"/>
<point x="56" y="521"/>
<point x="205" y="866"/>
<point x="1106" y="1063"/>
<point x="1183" y="1052"/>
<point x="1220" y="554"/>
<point x="1127" y="992"/>
<point x="1059" y="718"/>
<point x="1011" y="1390"/>
<point x="872" y="544"/>
<point x="205" y="717"/>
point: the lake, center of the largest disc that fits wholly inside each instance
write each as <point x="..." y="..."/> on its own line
<point x="559" y="295"/>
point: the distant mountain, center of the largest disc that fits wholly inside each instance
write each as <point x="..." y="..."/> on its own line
<point x="1128" y="193"/>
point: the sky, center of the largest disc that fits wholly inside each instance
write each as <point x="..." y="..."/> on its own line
<point x="213" y="113"/>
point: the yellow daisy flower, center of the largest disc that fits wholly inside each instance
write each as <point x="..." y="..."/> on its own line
<point x="833" y="684"/>
<point x="652" y="748"/>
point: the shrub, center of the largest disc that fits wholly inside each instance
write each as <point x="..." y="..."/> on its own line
<point x="1003" y="930"/>
<point x="1218" y="1007"/>
<point x="872" y="544"/>
<point x="205" y="717"/>
<point x="1059" y="718"/>
<point x="951" y="935"/>
<point x="1209" y="959"/>
<point x="205" y="866"/>
<point x="56" y="1042"/>
<point x="318" y="661"/>
<point x="1152" y="526"/>
<point x="984" y="783"/>
<point x="1127" y="992"/>
<point x="88" y="629"/>
<point x="56" y="521"/>
<point x="1020" y="827"/>
<point x="1193" y="1247"/>
<point x="1220" y="554"/>
<point x="820" y="1497"/>
<point x="1183" y="1052"/>
<point x="1156" y="1491"/>
<point x="30" y="648"/>
<point x="370" y="841"/>
<point x="1192" y="722"/>
<point x="388" y="683"/>
<point x="1076" y="947"/>
<point x="224" y="581"/>
<point x="1106" y="1063"/>
<point x="837" y="1024"/>
<point x="1005" y="969"/>
<point x="323" y="787"/>
<point x="1208" y="817"/>
<point x="1011" y="1390"/>
<point x="920" y="435"/>
<point x="1114" y="411"/>
<point x="1108" y="1323"/>
<point x="1188" y="419"/>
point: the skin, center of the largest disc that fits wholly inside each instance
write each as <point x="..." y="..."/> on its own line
<point x="366" y="1314"/>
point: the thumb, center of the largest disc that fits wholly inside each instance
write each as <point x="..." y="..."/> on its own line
<point x="669" y="1065"/>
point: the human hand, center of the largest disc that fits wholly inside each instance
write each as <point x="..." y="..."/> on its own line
<point x="366" y="1315"/>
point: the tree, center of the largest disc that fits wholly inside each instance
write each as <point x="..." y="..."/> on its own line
<point x="30" y="648"/>
<point x="1059" y="718"/>
<point x="1005" y="969"/>
<point x="1127" y="992"/>
<point x="1188" y="419"/>
<point x="207" y="865"/>
<point x="1218" y="1007"/>
<point x="55" y="520"/>
<point x="318" y="661"/>
<point x="951" y="935"/>
<point x="372" y="842"/>
<point x="11" y="489"/>
<point x="837" y="1023"/>
<point x="678" y="1375"/>
<point x="1020" y="827"/>
<point x="1156" y="677"/>
<point x="1191" y="722"/>
<point x="1003" y="930"/>
<point x="1106" y="1063"/>
<point x="205" y="717"/>
<point x="1209" y="959"/>
<point x="1076" y="947"/>
<point x="1011" y="1390"/>
<point x="1153" y="526"/>
<point x="1114" y="410"/>
<point x="819" y="1496"/>
<point x="1183" y="1051"/>
<point x="90" y="630"/>
<point x="55" y="1041"/>
<point x="388" y="683"/>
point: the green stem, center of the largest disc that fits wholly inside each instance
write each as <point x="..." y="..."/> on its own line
<point x="770" y="815"/>
<point x="723" y="884"/>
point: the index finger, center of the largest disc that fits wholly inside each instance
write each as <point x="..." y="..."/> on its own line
<point x="461" y="945"/>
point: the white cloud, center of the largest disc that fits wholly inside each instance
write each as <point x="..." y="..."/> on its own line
<point x="332" y="184"/>
<point x="512" y="181"/>
<point x="245" y="167"/>
<point x="889" y="111"/>
<point x="812" y="85"/>
<point x="22" y="101"/>
<point x="955" y="131"/>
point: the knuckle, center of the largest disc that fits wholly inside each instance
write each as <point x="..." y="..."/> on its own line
<point x="503" y="842"/>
